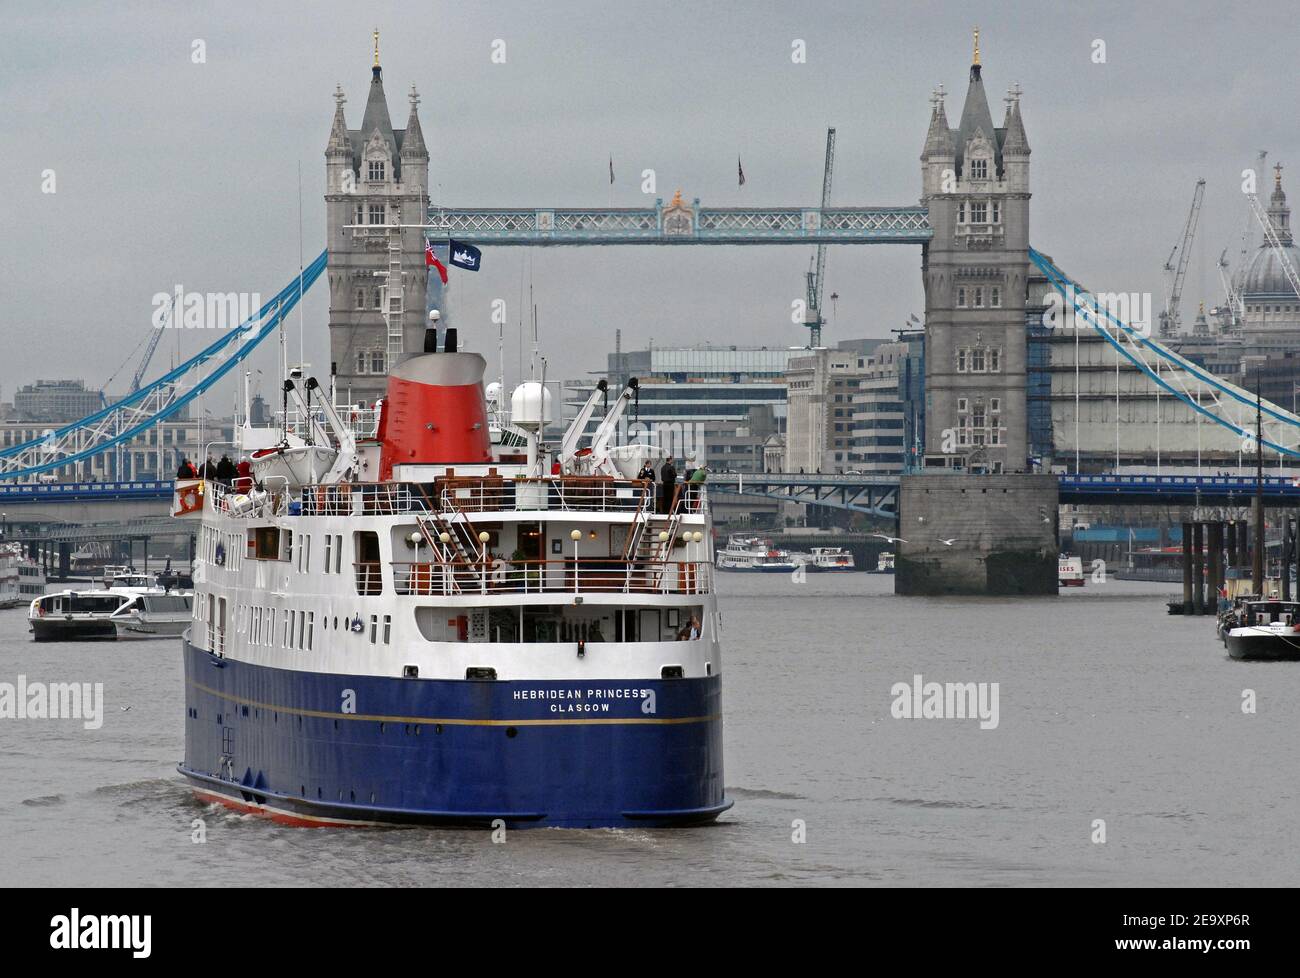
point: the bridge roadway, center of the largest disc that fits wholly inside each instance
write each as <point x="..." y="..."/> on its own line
<point x="876" y="495"/>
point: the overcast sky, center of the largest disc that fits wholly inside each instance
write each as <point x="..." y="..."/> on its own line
<point x="173" y="172"/>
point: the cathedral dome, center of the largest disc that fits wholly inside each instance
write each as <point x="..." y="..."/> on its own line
<point x="1264" y="275"/>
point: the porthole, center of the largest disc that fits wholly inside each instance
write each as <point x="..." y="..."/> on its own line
<point x="512" y="732"/>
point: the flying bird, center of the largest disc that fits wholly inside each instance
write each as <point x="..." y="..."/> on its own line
<point x="888" y="538"/>
<point x="946" y="543"/>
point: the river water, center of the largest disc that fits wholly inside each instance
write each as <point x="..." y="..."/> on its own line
<point x="1107" y="710"/>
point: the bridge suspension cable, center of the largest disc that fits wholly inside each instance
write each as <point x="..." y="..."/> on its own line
<point x="1213" y="396"/>
<point x="137" y="412"/>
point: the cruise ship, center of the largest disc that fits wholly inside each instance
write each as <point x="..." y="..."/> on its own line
<point x="449" y="620"/>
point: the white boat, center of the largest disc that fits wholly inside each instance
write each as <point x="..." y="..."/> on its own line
<point x="756" y="555"/>
<point x="292" y="466"/>
<point x="885" y="562"/>
<point x="832" y="559"/>
<point x="68" y="616"/>
<point x="153" y="615"/>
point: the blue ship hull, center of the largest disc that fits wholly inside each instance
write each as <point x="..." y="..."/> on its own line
<point x="580" y="753"/>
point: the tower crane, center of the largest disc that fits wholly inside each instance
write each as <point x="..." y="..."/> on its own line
<point x="1232" y="278"/>
<point x="1169" y="322"/>
<point x="813" y="316"/>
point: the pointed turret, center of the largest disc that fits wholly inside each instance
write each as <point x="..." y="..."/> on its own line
<point x="938" y="138"/>
<point x="975" y="115"/>
<point x="338" y="145"/>
<point x="376" y="114"/>
<point x="1014" y="141"/>
<point x="1279" y="211"/>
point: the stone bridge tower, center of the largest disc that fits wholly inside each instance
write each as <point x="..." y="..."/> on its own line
<point x="376" y="176"/>
<point x="975" y="182"/>
<point x="976" y="520"/>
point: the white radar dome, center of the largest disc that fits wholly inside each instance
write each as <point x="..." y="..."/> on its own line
<point x="530" y="404"/>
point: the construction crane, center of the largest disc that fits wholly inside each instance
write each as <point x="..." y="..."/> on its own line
<point x="816" y="274"/>
<point x="1230" y="276"/>
<point x="1169" y="322"/>
<point x="153" y="345"/>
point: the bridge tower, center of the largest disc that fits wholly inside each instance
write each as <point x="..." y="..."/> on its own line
<point x="975" y="182"/>
<point x="976" y="520"/>
<point x="376" y="176"/>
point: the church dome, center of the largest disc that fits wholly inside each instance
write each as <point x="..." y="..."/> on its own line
<point x="1264" y="275"/>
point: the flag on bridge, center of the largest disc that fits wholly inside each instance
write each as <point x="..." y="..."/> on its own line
<point x="465" y="256"/>
<point x="611" y="169"/>
<point x="740" y="170"/>
<point x="431" y="259"/>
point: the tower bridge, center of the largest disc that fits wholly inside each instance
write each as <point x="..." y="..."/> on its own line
<point x="986" y="342"/>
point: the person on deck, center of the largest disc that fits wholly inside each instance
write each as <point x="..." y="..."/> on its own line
<point x="225" y="470"/>
<point x="667" y="485"/>
<point x="243" y="475"/>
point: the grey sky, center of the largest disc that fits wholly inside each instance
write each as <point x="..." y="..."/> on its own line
<point x="171" y="172"/>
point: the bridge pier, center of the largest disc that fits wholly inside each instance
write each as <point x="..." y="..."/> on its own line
<point x="1187" y="567"/>
<point x="977" y="534"/>
<point x="1198" y="568"/>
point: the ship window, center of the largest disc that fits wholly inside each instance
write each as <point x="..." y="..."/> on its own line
<point x="374" y="629"/>
<point x="388" y="628"/>
<point x="264" y="542"/>
<point x="329" y="548"/>
<point x="369" y="575"/>
<point x="311" y="629"/>
<point x="338" y="553"/>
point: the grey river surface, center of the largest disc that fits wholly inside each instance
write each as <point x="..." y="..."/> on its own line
<point x="1109" y="709"/>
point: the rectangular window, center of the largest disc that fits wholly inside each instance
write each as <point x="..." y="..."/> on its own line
<point x="978" y="212"/>
<point x="995" y="437"/>
<point x="995" y="297"/>
<point x="997" y="211"/>
<point x="979" y="169"/>
<point x="291" y="629"/>
<point x="979" y="298"/>
<point x="995" y="360"/>
<point x="961" y="298"/>
<point x="302" y="629"/>
<point x="977" y="360"/>
<point x="388" y="629"/>
<point x="961" y="361"/>
<point x="369" y="579"/>
<point x="338" y="553"/>
<point x="329" y="547"/>
<point x="362" y="362"/>
<point x="962" y="405"/>
<point x="961" y="212"/>
<point x="375" y="171"/>
<point x="995" y="404"/>
<point x="376" y="214"/>
<point x="374" y="629"/>
<point x="377" y="365"/>
<point x="311" y="629"/>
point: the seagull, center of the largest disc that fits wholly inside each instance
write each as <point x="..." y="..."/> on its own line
<point x="886" y="537"/>
<point x="946" y="543"/>
<point x="124" y="708"/>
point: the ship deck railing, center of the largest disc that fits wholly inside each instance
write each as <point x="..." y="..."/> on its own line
<point x="455" y="494"/>
<point x="588" y="575"/>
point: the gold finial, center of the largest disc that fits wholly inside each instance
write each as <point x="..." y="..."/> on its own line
<point x="1277" y="175"/>
<point x="376" y="47"/>
<point x="977" y="47"/>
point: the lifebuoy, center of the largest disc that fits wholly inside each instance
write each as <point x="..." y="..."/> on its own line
<point x="191" y="498"/>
